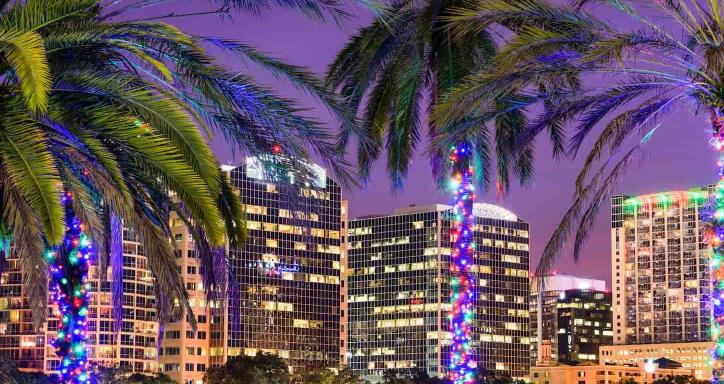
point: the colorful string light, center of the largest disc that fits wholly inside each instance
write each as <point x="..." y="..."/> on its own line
<point x="69" y="263"/>
<point x="460" y="319"/>
<point x="715" y="238"/>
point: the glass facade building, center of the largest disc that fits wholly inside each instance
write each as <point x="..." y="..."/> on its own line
<point x="399" y="293"/>
<point x="289" y="273"/>
<point x="660" y="268"/>
<point x="545" y="322"/>
<point x="583" y="324"/>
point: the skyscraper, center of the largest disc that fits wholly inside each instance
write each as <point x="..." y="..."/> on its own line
<point x="661" y="282"/>
<point x="288" y="275"/>
<point x="286" y="292"/>
<point x="660" y="268"/>
<point x="567" y="301"/>
<point x="399" y="291"/>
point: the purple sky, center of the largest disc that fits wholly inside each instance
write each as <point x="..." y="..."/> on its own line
<point x="678" y="156"/>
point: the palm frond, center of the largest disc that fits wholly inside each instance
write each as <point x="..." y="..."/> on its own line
<point x="162" y="115"/>
<point x="403" y="133"/>
<point x="34" y="15"/>
<point x="29" y="248"/>
<point x="25" y="53"/>
<point x="578" y="207"/>
<point x="648" y="73"/>
<point x="297" y="76"/>
<point x="29" y="168"/>
<point x="640" y="118"/>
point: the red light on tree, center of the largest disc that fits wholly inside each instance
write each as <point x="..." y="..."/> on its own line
<point x="277" y="149"/>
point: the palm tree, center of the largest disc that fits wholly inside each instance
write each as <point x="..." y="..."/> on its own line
<point x="394" y="73"/>
<point x="650" y="73"/>
<point x="394" y="70"/>
<point x="104" y="123"/>
<point x="320" y="9"/>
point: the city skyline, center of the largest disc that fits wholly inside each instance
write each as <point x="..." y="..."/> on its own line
<point x="209" y="191"/>
<point x="259" y="194"/>
<point x="303" y="41"/>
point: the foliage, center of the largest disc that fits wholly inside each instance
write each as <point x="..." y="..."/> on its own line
<point x="122" y="375"/>
<point x="263" y="368"/>
<point x="649" y="75"/>
<point x="111" y="111"/>
<point x="322" y="375"/>
<point x="320" y="9"/>
<point x="348" y="376"/>
<point x="10" y="374"/>
<point x="490" y="377"/>
<point x="36" y="378"/>
<point x="409" y="376"/>
<point x="317" y="9"/>
<point x="270" y="369"/>
<point x="157" y="378"/>
<point x="313" y="375"/>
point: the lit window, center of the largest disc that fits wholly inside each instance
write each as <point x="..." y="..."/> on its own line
<point x="253" y="225"/>
<point x="255" y="209"/>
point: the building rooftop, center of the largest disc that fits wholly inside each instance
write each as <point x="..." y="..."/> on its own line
<point x="566" y="282"/>
<point x="489" y="211"/>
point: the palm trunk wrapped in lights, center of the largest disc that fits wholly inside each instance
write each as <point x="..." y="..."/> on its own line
<point x="715" y="237"/>
<point x="461" y="368"/>
<point x="69" y="264"/>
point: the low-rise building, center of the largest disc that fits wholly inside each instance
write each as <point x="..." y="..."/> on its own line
<point x="588" y="373"/>
<point x="692" y="356"/>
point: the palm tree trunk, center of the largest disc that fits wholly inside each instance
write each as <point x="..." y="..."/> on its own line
<point x="715" y="238"/>
<point x="461" y="282"/>
<point x="69" y="273"/>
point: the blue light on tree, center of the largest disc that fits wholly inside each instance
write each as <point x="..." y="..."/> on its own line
<point x="69" y="263"/>
<point x="460" y="319"/>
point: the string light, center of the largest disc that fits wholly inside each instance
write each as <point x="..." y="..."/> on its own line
<point x="69" y="263"/>
<point x="461" y="364"/>
<point x="714" y="236"/>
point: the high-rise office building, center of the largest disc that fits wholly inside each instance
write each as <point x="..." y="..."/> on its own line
<point x="288" y="275"/>
<point x="287" y="290"/>
<point x="661" y="282"/>
<point x="399" y="291"/>
<point x="660" y="268"/>
<point x="575" y="318"/>
<point x="133" y="347"/>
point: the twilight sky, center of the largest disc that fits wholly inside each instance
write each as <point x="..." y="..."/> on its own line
<point x="678" y="156"/>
